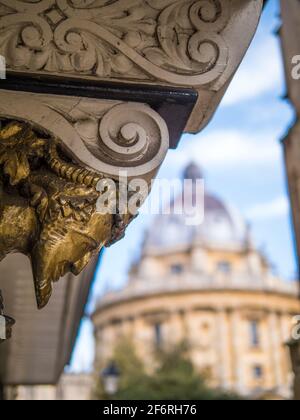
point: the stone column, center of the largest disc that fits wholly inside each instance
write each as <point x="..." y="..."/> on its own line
<point x="275" y="349"/>
<point x="223" y="348"/>
<point x="237" y="351"/>
<point x="285" y="327"/>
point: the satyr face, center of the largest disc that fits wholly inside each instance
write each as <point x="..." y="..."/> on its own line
<point x="71" y="234"/>
<point x="48" y="207"/>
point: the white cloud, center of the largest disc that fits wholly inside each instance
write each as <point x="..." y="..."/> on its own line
<point x="275" y="208"/>
<point x="221" y="149"/>
<point x="260" y="72"/>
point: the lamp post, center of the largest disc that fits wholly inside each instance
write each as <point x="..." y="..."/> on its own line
<point x="110" y="378"/>
<point x="6" y="323"/>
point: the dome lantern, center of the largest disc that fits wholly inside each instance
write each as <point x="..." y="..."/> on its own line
<point x="193" y="172"/>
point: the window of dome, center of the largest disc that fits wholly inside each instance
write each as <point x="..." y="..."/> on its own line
<point x="177" y="268"/>
<point x="258" y="372"/>
<point x="158" y="336"/>
<point x="254" y="333"/>
<point x="224" y="267"/>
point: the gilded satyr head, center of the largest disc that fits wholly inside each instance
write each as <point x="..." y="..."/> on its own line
<point x="48" y="207"/>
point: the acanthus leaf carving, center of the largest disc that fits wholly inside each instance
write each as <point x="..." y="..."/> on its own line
<point x="139" y="39"/>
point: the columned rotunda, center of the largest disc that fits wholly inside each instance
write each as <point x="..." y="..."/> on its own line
<point x="208" y="285"/>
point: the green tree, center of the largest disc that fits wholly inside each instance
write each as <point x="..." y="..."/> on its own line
<point x="174" y="378"/>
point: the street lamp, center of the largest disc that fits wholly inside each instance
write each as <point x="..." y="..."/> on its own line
<point x="110" y="378"/>
<point x="6" y="323"/>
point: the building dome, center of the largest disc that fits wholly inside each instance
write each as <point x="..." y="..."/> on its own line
<point x="203" y="284"/>
<point x="218" y="225"/>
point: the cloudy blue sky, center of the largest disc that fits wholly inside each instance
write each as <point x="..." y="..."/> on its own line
<point x="241" y="156"/>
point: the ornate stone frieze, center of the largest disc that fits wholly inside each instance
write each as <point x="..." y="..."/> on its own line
<point x="175" y="41"/>
<point x="183" y="43"/>
<point x="54" y="153"/>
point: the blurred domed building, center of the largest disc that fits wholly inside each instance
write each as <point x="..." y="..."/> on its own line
<point x="206" y="284"/>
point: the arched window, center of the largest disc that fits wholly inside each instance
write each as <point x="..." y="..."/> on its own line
<point x="254" y="333"/>
<point x="258" y="372"/>
<point x="177" y="269"/>
<point x="224" y="267"/>
<point x="158" y="336"/>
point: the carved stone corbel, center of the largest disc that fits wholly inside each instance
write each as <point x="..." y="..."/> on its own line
<point x="65" y="132"/>
<point x="54" y="154"/>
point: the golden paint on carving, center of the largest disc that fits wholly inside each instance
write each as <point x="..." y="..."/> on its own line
<point x="48" y="207"/>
